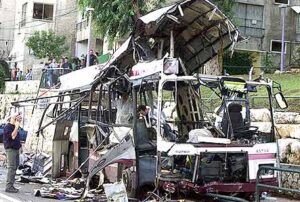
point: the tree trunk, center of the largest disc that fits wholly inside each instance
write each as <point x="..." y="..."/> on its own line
<point x="136" y="9"/>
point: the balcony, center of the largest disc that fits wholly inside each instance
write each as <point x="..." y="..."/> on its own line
<point x="82" y="30"/>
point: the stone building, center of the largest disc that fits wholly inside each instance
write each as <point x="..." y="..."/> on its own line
<point x="82" y="36"/>
<point x="260" y="22"/>
<point x="31" y="16"/>
<point x="7" y="21"/>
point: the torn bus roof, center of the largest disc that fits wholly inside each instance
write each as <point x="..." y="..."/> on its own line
<point x="200" y="30"/>
<point x="81" y="79"/>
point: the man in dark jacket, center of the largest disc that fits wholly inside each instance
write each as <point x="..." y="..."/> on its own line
<point x="66" y="64"/>
<point x="12" y="144"/>
<point x="92" y="59"/>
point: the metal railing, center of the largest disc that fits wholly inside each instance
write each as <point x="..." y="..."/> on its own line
<point x="257" y="102"/>
<point x="50" y="77"/>
<point x="293" y="103"/>
<point x="289" y="181"/>
<point x="82" y="25"/>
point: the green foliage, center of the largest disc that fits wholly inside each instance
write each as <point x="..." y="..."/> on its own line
<point x="2" y="78"/>
<point x="4" y="74"/>
<point x="115" y="18"/>
<point x="5" y="67"/>
<point x="226" y="6"/>
<point x="295" y="57"/>
<point x="46" y="44"/>
<point x="269" y="65"/>
<point x="240" y="62"/>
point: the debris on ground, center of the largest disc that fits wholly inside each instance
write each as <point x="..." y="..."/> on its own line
<point x="116" y="192"/>
<point x="58" y="193"/>
<point x="67" y="189"/>
<point x="42" y="163"/>
<point x="2" y="159"/>
<point x="34" y="168"/>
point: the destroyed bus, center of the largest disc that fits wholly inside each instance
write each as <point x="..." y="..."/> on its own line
<point x="194" y="153"/>
<point x="199" y="152"/>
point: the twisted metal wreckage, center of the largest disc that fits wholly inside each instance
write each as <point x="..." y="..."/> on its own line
<point x="182" y="157"/>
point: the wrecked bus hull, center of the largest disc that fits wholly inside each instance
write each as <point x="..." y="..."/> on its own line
<point x="223" y="162"/>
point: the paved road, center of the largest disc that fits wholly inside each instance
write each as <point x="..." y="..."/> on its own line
<point x="24" y="195"/>
<point x="26" y="190"/>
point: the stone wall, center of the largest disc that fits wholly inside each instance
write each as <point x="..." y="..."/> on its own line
<point x="14" y="91"/>
<point x="287" y="130"/>
<point x="23" y="90"/>
<point x="6" y="108"/>
<point x="22" y="87"/>
<point x="43" y="142"/>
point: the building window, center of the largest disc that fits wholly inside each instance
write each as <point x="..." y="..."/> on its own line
<point x="43" y="11"/>
<point x="281" y="1"/>
<point x="23" y="17"/>
<point x="275" y="46"/>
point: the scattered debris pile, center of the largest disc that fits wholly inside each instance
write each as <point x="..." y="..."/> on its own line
<point x="67" y="189"/>
<point x="3" y="159"/>
<point x="34" y="168"/>
<point x="74" y="189"/>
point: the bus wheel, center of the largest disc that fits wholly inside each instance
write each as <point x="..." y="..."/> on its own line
<point x="129" y="179"/>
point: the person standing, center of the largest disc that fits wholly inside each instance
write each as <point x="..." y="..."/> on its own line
<point x="12" y="144"/>
<point x="124" y="109"/>
<point x="66" y="64"/>
<point x="14" y="74"/>
<point x="53" y="63"/>
<point x="18" y="74"/>
<point x="92" y="59"/>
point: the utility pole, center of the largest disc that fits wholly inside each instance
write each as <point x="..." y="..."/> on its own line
<point x="89" y="10"/>
<point x="282" y="59"/>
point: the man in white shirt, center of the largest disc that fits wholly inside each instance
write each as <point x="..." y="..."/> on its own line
<point x="124" y="109"/>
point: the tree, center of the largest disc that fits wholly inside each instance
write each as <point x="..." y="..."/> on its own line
<point x="117" y="17"/>
<point x="46" y="44"/>
<point x="2" y="78"/>
<point x="4" y="74"/>
<point x="226" y="6"/>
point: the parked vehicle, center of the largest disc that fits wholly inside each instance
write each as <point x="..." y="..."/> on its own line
<point x="22" y="132"/>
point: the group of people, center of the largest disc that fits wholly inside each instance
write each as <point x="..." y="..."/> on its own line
<point x="19" y="75"/>
<point x="75" y="62"/>
<point x="72" y="65"/>
<point x="64" y="63"/>
<point x="51" y="67"/>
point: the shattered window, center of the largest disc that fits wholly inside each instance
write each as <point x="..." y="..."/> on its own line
<point x="43" y="11"/>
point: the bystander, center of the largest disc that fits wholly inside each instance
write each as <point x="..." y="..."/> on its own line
<point x="12" y="145"/>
